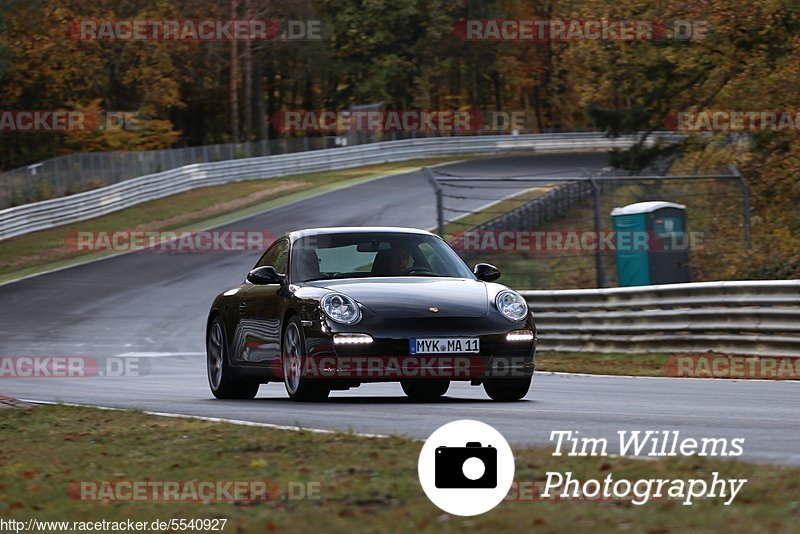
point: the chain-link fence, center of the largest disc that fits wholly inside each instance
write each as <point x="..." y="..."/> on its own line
<point x="550" y="231"/>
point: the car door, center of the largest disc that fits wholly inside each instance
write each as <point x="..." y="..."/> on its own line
<point x="260" y="309"/>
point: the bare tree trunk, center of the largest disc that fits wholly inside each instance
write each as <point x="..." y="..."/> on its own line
<point x="547" y="79"/>
<point x="233" y="87"/>
<point x="248" y="79"/>
<point x="258" y="75"/>
<point x="274" y="95"/>
<point x="498" y="89"/>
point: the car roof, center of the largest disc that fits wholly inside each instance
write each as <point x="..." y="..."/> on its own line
<point x="293" y="236"/>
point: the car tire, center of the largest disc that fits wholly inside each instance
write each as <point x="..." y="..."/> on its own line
<point x="507" y="389"/>
<point x="293" y="355"/>
<point x="224" y="381"/>
<point x="425" y="390"/>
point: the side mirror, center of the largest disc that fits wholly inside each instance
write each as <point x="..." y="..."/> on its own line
<point x="486" y="272"/>
<point x="265" y="275"/>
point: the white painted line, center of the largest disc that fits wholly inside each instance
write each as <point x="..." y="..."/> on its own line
<point x="560" y="373"/>
<point x="209" y="419"/>
<point x="447" y="163"/>
<point x="681" y="415"/>
<point x="157" y="354"/>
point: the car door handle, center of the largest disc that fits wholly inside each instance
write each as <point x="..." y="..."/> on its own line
<point x="242" y="307"/>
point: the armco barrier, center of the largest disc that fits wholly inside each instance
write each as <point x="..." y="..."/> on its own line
<point x="751" y="317"/>
<point x="28" y="218"/>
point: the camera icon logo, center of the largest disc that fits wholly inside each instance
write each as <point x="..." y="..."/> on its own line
<point x="464" y="476"/>
<point x="472" y="466"/>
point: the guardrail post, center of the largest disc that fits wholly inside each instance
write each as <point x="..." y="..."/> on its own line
<point x="439" y="208"/>
<point x="745" y="205"/>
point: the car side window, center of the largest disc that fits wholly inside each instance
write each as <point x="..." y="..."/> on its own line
<point x="277" y="256"/>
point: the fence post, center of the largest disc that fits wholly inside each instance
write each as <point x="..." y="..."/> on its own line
<point x="745" y="205"/>
<point x="598" y="255"/>
<point x="439" y="208"/>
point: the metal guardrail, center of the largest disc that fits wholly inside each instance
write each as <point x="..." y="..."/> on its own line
<point x="75" y="173"/>
<point x="751" y="317"/>
<point x="36" y="216"/>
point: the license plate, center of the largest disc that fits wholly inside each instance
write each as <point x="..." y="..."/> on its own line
<point x="443" y="345"/>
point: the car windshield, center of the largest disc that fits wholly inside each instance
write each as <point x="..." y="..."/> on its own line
<point x="359" y="255"/>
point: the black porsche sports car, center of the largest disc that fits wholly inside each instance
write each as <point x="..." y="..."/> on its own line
<point x="333" y="308"/>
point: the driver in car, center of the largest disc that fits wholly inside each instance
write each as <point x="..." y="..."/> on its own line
<point x="392" y="262"/>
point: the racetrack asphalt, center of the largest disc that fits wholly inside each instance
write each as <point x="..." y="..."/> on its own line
<point x="153" y="306"/>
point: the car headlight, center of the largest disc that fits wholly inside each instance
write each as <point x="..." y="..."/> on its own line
<point x="340" y="308"/>
<point x="512" y="305"/>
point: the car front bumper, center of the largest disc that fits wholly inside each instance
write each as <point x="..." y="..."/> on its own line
<point x="388" y="357"/>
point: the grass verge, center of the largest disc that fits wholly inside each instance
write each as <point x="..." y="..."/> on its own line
<point x="603" y="364"/>
<point x="368" y="484"/>
<point x="470" y="220"/>
<point x="194" y="210"/>
<point x="706" y="365"/>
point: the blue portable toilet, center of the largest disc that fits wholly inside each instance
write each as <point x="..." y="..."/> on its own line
<point x="652" y="244"/>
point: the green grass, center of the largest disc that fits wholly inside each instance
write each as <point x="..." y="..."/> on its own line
<point x="603" y="364"/>
<point x="666" y="365"/>
<point x="194" y="210"/>
<point x="365" y="484"/>
<point x="471" y="220"/>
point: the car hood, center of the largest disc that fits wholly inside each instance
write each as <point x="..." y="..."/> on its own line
<point x="412" y="296"/>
